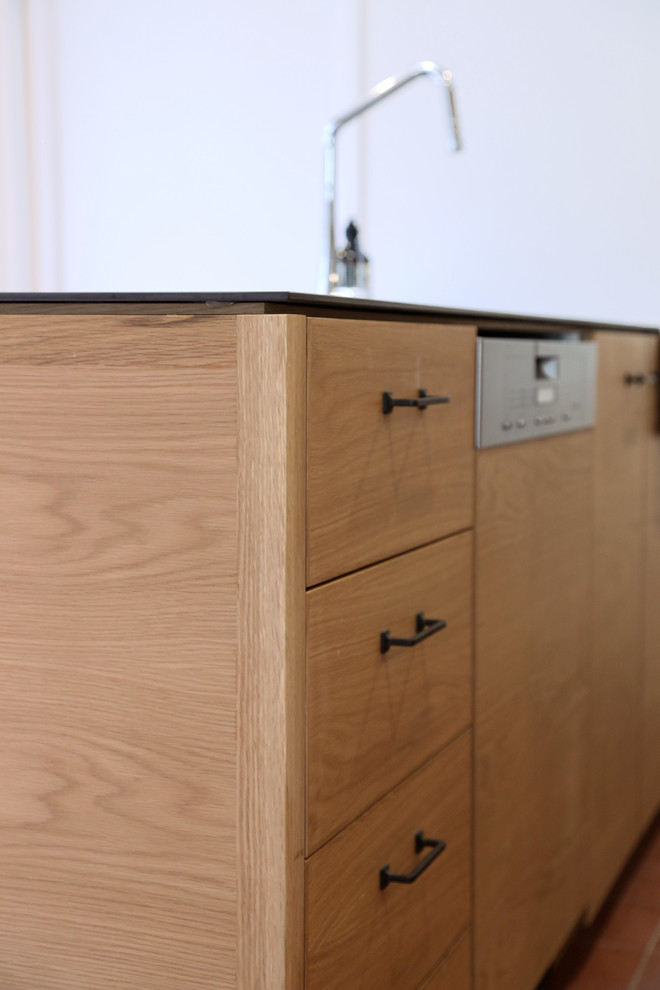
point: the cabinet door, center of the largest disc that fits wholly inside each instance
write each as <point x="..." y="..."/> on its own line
<point x="373" y="717"/>
<point x="383" y="479"/>
<point x="651" y="759"/>
<point x="533" y="541"/>
<point x="365" y="934"/>
<point x="622" y="436"/>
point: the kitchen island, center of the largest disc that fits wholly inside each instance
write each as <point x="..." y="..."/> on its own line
<point x="233" y="754"/>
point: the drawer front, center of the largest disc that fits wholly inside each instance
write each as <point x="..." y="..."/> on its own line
<point x="380" y="484"/>
<point x="359" y="935"/>
<point x="373" y="717"/>
<point x="455" y="973"/>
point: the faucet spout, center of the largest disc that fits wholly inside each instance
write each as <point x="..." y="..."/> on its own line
<point x="442" y="78"/>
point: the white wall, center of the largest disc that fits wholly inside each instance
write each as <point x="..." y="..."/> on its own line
<point x="181" y="139"/>
<point x="554" y="205"/>
<point x="190" y="139"/>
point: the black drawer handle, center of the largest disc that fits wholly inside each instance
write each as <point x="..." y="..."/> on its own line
<point x="425" y="628"/>
<point x="424" y="400"/>
<point x="642" y="379"/>
<point x="421" y="842"/>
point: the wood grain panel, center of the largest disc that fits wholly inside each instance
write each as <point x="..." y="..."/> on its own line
<point x="114" y="339"/>
<point x="373" y="718"/>
<point x="621" y="437"/>
<point x="118" y="568"/>
<point x="533" y="559"/>
<point x="455" y="972"/>
<point x="382" y="484"/>
<point x="271" y="629"/>
<point x="361" y="936"/>
<point x="651" y="684"/>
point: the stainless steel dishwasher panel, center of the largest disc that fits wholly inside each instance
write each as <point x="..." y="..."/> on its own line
<point x="532" y="388"/>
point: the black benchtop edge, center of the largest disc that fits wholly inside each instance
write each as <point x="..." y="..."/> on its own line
<point x="310" y="299"/>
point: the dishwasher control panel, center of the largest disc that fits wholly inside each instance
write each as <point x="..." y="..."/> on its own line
<point x="531" y="388"/>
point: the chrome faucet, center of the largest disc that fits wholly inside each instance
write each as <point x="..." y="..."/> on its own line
<point x="442" y="78"/>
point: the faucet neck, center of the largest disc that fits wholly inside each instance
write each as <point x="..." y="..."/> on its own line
<point x="441" y="78"/>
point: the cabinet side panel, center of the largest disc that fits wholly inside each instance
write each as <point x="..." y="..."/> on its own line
<point x="118" y="339"/>
<point x="271" y="665"/>
<point x="118" y="568"/>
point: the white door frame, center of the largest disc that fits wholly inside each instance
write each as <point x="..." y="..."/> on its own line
<point x="30" y="188"/>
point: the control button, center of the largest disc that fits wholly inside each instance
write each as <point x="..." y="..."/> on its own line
<point x="507" y="425"/>
<point x="520" y="423"/>
<point x="552" y="419"/>
<point x="566" y="417"/>
<point x="538" y="421"/>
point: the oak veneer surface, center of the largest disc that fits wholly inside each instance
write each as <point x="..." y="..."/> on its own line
<point x="455" y="973"/>
<point x="114" y="340"/>
<point x="651" y="688"/>
<point x="118" y="569"/>
<point x="382" y="484"/>
<point x="621" y="449"/>
<point x="373" y="718"/>
<point x="358" y="935"/>
<point x="532" y="572"/>
<point x="271" y="624"/>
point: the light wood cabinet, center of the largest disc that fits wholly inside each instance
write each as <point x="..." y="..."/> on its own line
<point x="117" y="654"/>
<point x="153" y="639"/>
<point x="382" y="484"/>
<point x="533" y="570"/>
<point x="374" y="717"/>
<point x="151" y="650"/>
<point x="206" y="758"/>
<point x="617" y="691"/>
<point x="389" y="651"/>
<point x="455" y="972"/>
<point x="361" y="935"/>
<point x="651" y="681"/>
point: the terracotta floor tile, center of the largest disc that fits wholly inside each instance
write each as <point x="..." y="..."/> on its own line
<point x="643" y="887"/>
<point x="628" y="925"/>
<point x="651" y="977"/>
<point x="607" y="955"/>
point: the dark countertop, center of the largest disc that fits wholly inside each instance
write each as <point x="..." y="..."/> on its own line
<point x="287" y="302"/>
